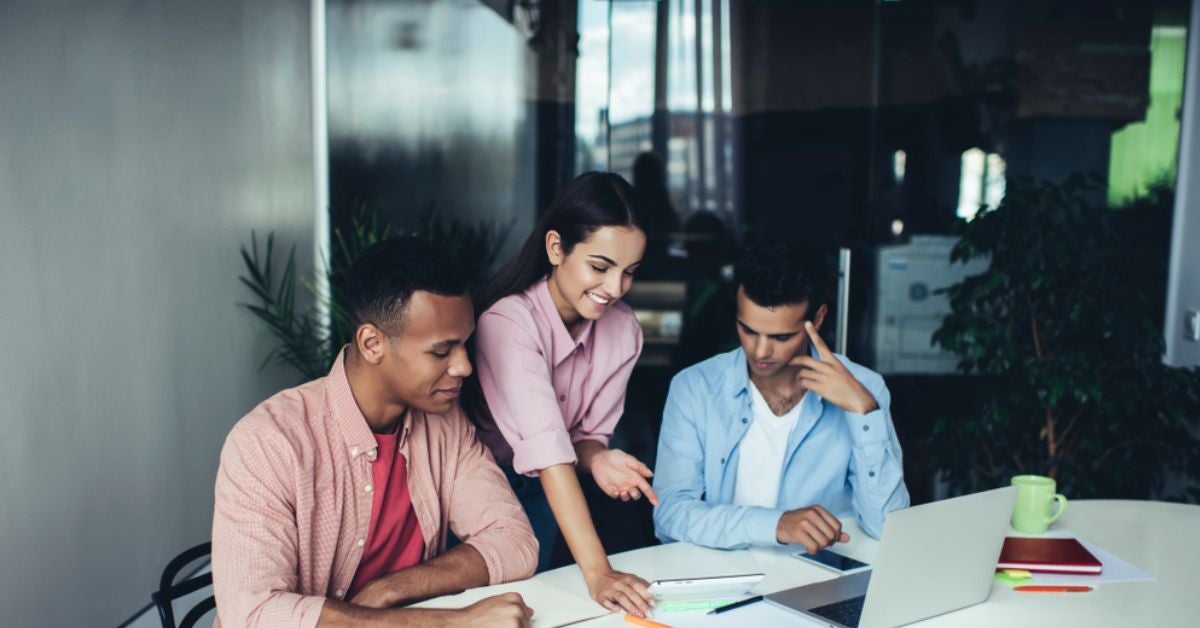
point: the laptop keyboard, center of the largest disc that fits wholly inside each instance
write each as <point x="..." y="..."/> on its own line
<point x="846" y="612"/>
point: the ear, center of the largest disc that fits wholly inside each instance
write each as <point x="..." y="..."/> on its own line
<point x="554" y="249"/>
<point x="371" y="343"/>
<point x="819" y="317"/>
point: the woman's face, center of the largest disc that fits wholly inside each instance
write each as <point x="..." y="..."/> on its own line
<point x="596" y="273"/>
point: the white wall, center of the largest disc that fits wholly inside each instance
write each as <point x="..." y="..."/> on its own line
<point x="1183" y="291"/>
<point x="140" y="142"/>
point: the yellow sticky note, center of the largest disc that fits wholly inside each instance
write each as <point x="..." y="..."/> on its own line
<point x="1018" y="573"/>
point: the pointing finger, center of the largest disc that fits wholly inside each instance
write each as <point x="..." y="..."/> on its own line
<point x="822" y="349"/>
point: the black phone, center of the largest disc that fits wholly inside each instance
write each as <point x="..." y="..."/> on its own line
<point x="834" y="561"/>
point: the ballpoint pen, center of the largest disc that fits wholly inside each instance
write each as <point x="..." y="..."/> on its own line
<point x="729" y="607"/>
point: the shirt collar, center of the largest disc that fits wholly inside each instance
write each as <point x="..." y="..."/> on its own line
<point x="348" y="417"/>
<point x="563" y="345"/>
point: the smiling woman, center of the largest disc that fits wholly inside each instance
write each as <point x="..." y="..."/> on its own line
<point x="555" y="349"/>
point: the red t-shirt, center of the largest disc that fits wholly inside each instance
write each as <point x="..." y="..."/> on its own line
<point x="394" y="540"/>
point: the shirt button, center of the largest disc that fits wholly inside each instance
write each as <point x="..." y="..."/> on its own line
<point x="562" y="397"/>
<point x="866" y="428"/>
<point x="871" y="473"/>
<point x="339" y="593"/>
<point x="362" y="542"/>
<point x="722" y="461"/>
<point x="354" y="452"/>
<point x="371" y="455"/>
<point x="745" y="420"/>
<point x="367" y="488"/>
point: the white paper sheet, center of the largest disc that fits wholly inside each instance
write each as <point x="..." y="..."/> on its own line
<point x="1115" y="569"/>
<point x="552" y="607"/>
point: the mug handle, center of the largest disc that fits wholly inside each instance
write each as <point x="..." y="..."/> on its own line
<point x="1062" y="507"/>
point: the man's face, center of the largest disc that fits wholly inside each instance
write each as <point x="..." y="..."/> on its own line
<point x="427" y="361"/>
<point x="772" y="336"/>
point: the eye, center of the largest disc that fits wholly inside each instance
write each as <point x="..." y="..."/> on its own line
<point x="630" y="273"/>
<point x="441" y="355"/>
<point x="783" y="337"/>
<point x="600" y="269"/>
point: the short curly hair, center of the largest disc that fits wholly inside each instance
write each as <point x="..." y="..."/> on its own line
<point x="775" y="272"/>
<point x="381" y="282"/>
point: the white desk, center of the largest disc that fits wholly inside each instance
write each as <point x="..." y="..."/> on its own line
<point x="1162" y="538"/>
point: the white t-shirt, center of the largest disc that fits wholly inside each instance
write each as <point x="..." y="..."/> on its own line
<point x="760" y="463"/>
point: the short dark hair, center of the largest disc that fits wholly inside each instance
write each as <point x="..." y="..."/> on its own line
<point x="774" y="272"/>
<point x="383" y="279"/>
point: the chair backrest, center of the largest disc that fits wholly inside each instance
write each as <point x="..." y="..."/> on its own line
<point x="169" y="590"/>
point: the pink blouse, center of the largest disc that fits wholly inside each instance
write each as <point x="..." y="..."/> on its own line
<point x="546" y="390"/>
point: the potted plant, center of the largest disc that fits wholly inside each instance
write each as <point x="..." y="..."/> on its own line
<point x="1063" y="335"/>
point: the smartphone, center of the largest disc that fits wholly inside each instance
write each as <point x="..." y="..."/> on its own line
<point x="833" y="561"/>
<point x="705" y="587"/>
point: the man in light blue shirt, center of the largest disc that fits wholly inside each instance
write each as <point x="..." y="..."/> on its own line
<point x="763" y="444"/>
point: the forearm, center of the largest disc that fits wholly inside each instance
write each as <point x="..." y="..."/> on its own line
<point x="877" y="471"/>
<point x="565" y="496"/>
<point x="585" y="452"/>
<point x="459" y="569"/>
<point x="335" y="614"/>
<point x="720" y="526"/>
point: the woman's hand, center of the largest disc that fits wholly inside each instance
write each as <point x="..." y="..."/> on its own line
<point x="622" y="476"/>
<point x="619" y="591"/>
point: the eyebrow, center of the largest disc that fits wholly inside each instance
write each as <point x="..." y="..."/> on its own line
<point x="446" y="344"/>
<point x="752" y="331"/>
<point x="611" y="262"/>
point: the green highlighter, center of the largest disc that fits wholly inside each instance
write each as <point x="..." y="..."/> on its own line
<point x="692" y="605"/>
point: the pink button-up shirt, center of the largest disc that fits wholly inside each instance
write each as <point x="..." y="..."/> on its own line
<point x="294" y="494"/>
<point x="547" y="391"/>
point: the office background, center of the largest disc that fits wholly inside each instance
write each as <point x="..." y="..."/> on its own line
<point x="142" y="141"/>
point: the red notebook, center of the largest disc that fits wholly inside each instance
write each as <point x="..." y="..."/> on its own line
<point x="1053" y="555"/>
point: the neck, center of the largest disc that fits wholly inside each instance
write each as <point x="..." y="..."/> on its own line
<point x="569" y="315"/>
<point x="369" y="394"/>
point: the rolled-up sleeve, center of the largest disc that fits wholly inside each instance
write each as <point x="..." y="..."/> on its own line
<point x="516" y="381"/>
<point x="609" y="404"/>
<point x="485" y="513"/>
<point x="255" y="539"/>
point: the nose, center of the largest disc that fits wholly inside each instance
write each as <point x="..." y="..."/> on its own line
<point x="613" y="285"/>
<point x="461" y="367"/>
<point x="762" y="348"/>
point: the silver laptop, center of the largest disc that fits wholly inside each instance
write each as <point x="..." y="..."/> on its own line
<point x="932" y="559"/>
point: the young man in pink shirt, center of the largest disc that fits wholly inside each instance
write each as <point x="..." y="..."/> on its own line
<point x="334" y="499"/>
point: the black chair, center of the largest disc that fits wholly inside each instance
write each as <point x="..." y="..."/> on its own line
<point x="168" y="590"/>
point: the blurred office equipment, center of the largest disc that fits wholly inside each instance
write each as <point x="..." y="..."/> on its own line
<point x="906" y="309"/>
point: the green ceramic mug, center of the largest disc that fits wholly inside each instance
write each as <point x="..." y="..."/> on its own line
<point x="1032" y="515"/>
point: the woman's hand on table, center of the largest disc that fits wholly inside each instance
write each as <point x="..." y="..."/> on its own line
<point x="618" y="591"/>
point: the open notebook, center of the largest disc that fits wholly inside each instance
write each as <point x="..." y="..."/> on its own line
<point x="551" y="606"/>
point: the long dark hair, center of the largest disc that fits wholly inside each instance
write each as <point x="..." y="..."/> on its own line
<point x="593" y="200"/>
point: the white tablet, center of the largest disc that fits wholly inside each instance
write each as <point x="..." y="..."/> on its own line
<point x="708" y="587"/>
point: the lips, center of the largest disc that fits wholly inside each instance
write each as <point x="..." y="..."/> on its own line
<point x="450" y="392"/>
<point x="762" y="366"/>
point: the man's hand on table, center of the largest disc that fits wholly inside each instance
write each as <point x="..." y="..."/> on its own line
<point x="507" y="610"/>
<point x="813" y="527"/>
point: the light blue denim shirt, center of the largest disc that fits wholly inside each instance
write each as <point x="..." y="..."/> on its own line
<point x="846" y="462"/>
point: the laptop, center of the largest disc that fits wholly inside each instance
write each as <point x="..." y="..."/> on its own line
<point x="932" y="559"/>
